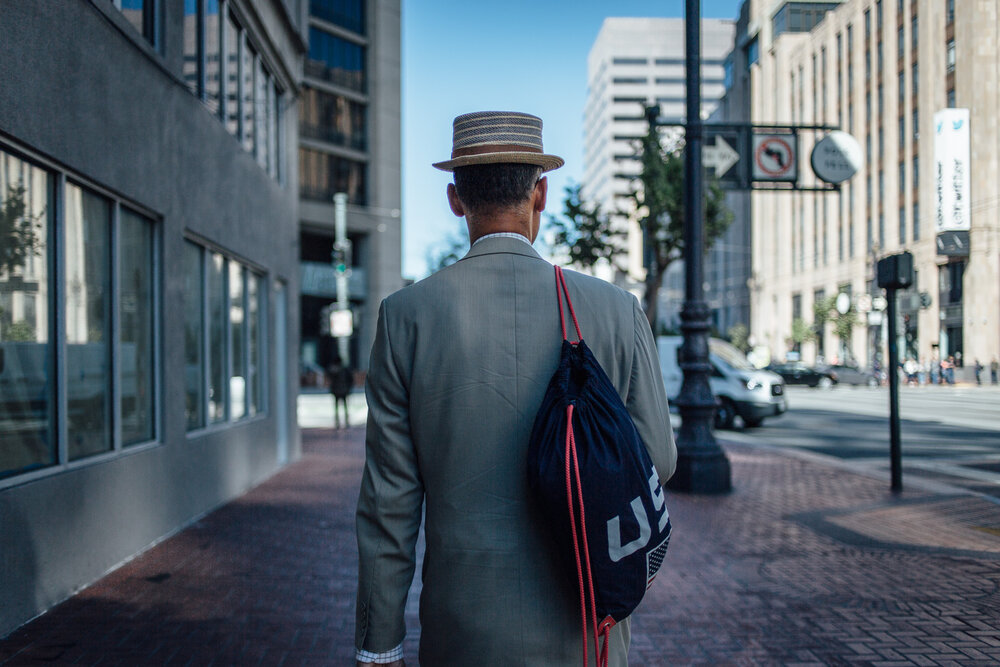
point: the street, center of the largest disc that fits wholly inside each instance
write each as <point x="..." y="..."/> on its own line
<point x="949" y="434"/>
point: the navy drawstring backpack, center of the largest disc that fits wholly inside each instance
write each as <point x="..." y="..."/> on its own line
<point x="597" y="487"/>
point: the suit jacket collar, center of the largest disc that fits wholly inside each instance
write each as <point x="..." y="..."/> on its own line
<point x="502" y="245"/>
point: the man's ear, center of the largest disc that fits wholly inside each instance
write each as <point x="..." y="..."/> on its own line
<point x="540" y="194"/>
<point x="454" y="202"/>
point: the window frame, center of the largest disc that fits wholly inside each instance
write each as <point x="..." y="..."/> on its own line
<point x="248" y="271"/>
<point x="55" y="260"/>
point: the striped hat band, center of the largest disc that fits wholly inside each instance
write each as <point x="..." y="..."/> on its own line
<point x="489" y="137"/>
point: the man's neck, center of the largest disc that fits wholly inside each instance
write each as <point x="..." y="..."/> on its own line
<point x="511" y="222"/>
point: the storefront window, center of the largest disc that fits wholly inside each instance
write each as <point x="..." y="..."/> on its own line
<point x="194" y="326"/>
<point x="237" y="378"/>
<point x="136" y="316"/>
<point x="88" y="311"/>
<point x="216" y="338"/>
<point x="26" y="359"/>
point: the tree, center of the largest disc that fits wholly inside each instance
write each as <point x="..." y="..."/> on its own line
<point x="453" y="249"/>
<point x="587" y="234"/>
<point x="19" y="237"/>
<point x="739" y="336"/>
<point x="801" y="333"/>
<point x="825" y="311"/>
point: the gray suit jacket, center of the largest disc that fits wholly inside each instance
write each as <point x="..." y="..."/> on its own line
<point x="458" y="369"/>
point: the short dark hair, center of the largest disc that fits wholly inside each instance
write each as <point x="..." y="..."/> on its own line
<point x="484" y="187"/>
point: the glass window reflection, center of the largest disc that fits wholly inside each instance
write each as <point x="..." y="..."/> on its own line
<point x="26" y="434"/>
<point x="216" y="338"/>
<point x="237" y="379"/>
<point x="213" y="55"/>
<point x="87" y="239"/>
<point x="194" y="322"/>
<point x="136" y="303"/>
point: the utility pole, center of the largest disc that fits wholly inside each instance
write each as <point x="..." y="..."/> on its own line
<point x="702" y="466"/>
<point x="341" y="257"/>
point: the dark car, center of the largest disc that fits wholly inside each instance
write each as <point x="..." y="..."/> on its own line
<point x="851" y="375"/>
<point x="799" y="373"/>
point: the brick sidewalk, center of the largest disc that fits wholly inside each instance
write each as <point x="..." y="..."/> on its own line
<point x="803" y="563"/>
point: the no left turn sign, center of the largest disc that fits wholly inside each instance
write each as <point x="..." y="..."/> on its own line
<point x="775" y="157"/>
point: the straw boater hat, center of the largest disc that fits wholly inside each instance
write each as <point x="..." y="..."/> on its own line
<point x="490" y="137"/>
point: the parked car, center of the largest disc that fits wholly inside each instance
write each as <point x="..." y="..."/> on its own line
<point x="852" y="375"/>
<point x="738" y="387"/>
<point x="798" y="373"/>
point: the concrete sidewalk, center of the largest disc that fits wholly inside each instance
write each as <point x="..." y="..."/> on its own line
<point x="804" y="563"/>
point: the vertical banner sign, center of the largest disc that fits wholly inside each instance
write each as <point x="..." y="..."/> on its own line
<point x="951" y="169"/>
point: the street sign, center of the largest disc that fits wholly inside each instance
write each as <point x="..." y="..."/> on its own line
<point x="775" y="157"/>
<point x="719" y="156"/>
<point x="836" y="157"/>
<point x="864" y="303"/>
<point x="341" y="323"/>
<point x="843" y="302"/>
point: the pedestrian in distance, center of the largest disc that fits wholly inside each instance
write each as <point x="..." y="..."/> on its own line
<point x="994" y="370"/>
<point x="948" y="369"/>
<point x="341" y="380"/>
<point x="459" y="367"/>
<point x="979" y="372"/>
<point x="910" y="368"/>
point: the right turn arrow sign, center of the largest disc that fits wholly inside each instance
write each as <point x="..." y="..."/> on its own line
<point x="721" y="157"/>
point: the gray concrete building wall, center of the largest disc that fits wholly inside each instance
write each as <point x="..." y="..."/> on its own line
<point x="83" y="95"/>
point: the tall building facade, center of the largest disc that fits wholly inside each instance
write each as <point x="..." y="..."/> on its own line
<point x="349" y="141"/>
<point x="894" y="74"/>
<point x="148" y="225"/>
<point x="636" y="62"/>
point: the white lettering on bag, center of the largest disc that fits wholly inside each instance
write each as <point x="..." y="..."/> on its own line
<point x="658" y="501"/>
<point x="616" y="551"/>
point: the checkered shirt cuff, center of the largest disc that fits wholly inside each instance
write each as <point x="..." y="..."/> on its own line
<point x="383" y="658"/>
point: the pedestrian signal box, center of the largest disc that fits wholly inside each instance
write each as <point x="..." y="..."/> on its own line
<point x="896" y="271"/>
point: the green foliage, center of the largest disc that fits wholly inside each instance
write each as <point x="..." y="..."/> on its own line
<point x="739" y="336"/>
<point x="19" y="332"/>
<point x="19" y="235"/>
<point x="843" y="324"/>
<point x="801" y="332"/>
<point x="454" y="248"/>
<point x="586" y="233"/>
<point x="825" y="310"/>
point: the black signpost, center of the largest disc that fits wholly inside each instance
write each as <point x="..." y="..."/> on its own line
<point x="742" y="156"/>
<point x="895" y="272"/>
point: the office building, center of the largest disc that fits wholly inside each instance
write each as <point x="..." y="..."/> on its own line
<point x="636" y="62"/>
<point x="914" y="81"/>
<point x="349" y="141"/>
<point x="148" y="275"/>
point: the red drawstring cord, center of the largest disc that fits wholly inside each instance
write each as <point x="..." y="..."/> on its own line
<point x="560" y="288"/>
<point x="570" y="452"/>
<point x="573" y="470"/>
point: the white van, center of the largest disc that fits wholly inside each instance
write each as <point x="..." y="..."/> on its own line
<point x="738" y="387"/>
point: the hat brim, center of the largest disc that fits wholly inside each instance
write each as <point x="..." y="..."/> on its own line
<point x="546" y="162"/>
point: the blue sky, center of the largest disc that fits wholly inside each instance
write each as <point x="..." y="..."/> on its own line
<point x="467" y="55"/>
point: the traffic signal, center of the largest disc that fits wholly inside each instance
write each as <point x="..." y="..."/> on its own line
<point x="895" y="271"/>
<point x="341" y="257"/>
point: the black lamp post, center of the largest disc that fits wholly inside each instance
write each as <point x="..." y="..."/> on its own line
<point x="702" y="466"/>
